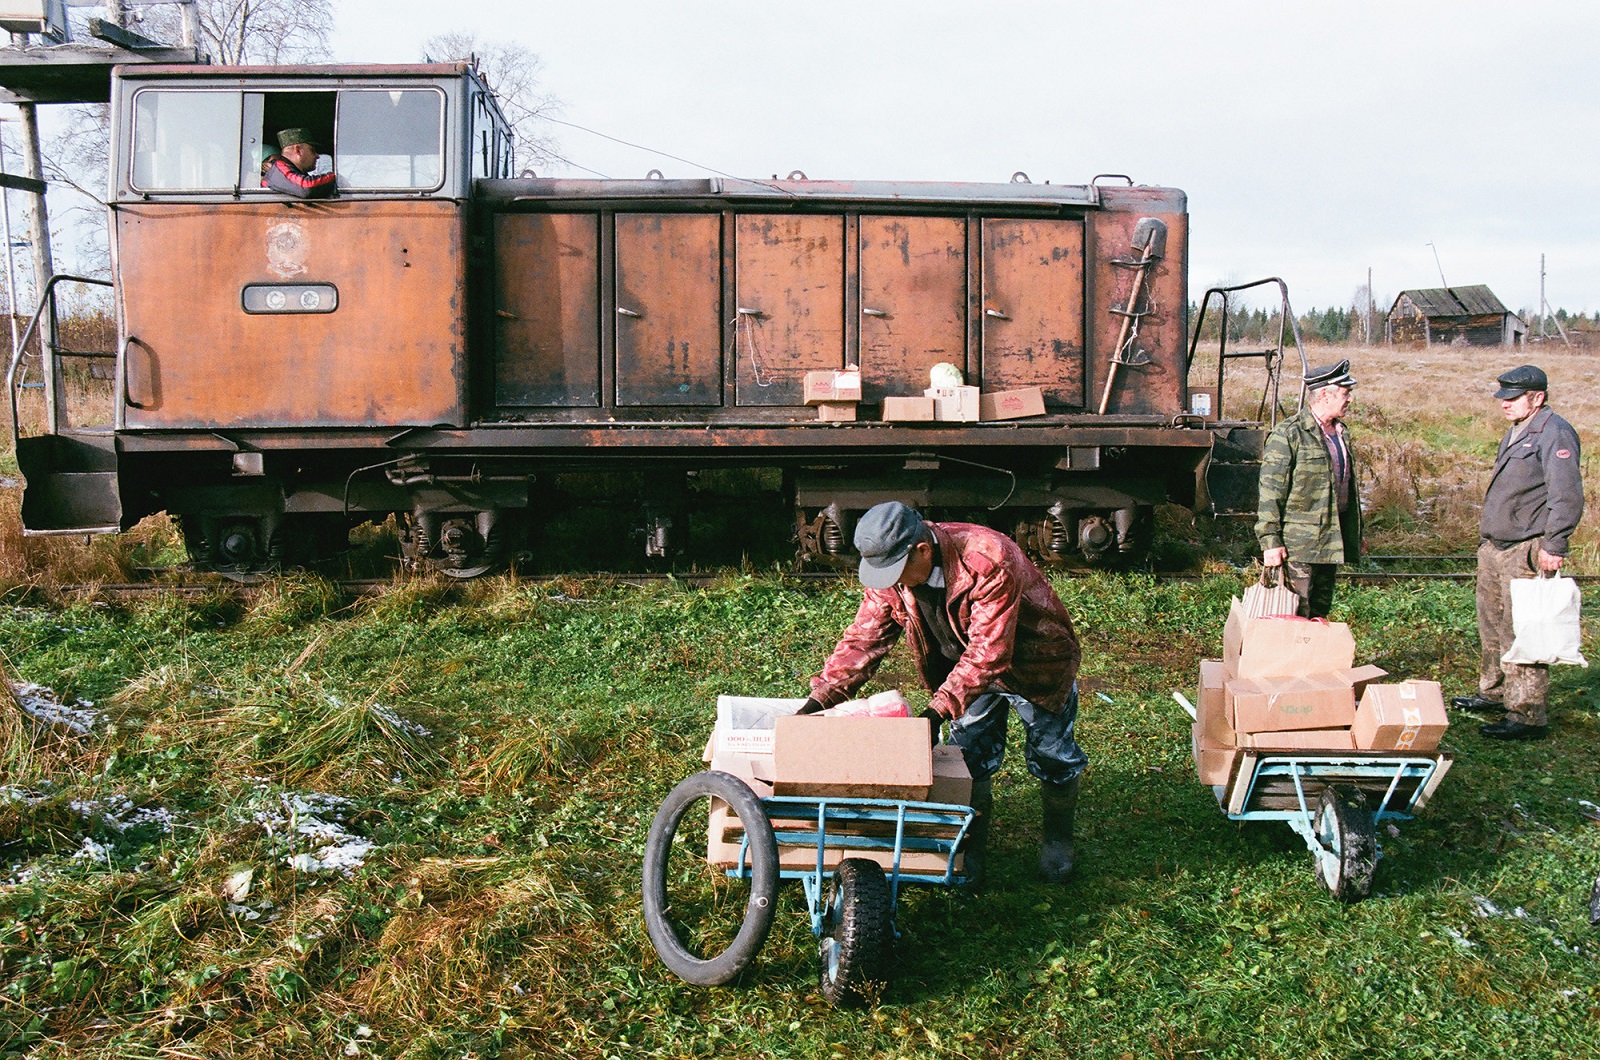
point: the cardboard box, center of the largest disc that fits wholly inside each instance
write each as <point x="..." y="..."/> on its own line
<point x="754" y="769"/>
<point x="1203" y="402"/>
<point x="907" y="410"/>
<point x="1408" y="716"/>
<point x="1211" y="705"/>
<point x="1284" y="646"/>
<point x="724" y="834"/>
<point x="745" y="723"/>
<point x="875" y="758"/>
<point x="1307" y="701"/>
<point x="1011" y="404"/>
<point x="1215" y="765"/>
<point x="833" y="385"/>
<point x="954" y="404"/>
<point x="951" y="780"/>
<point x="1300" y="740"/>
<point x="836" y="411"/>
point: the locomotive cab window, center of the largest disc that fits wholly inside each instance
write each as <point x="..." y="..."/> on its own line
<point x="215" y="140"/>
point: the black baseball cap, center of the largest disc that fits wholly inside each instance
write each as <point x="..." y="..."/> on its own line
<point x="1520" y="380"/>
<point x="884" y="537"/>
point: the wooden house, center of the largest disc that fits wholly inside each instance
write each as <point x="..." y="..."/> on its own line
<point x="1453" y="316"/>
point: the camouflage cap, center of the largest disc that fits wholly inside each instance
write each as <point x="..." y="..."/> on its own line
<point x="1520" y="380"/>
<point x="1330" y="375"/>
<point x="297" y="135"/>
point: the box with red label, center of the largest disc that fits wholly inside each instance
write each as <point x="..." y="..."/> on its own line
<point x="832" y="385"/>
<point x="1011" y="404"/>
<point x="1408" y="716"/>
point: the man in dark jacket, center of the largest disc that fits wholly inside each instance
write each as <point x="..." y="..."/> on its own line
<point x="990" y="636"/>
<point x="1534" y="502"/>
<point x="289" y="171"/>
<point x="1308" y="519"/>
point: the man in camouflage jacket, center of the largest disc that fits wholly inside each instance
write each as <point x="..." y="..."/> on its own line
<point x="1308" y="518"/>
<point x="990" y="637"/>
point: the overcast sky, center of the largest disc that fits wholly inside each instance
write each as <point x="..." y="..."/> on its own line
<point x="1314" y="140"/>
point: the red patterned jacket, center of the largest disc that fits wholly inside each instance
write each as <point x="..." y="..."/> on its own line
<point x="1013" y="628"/>
<point x="280" y="174"/>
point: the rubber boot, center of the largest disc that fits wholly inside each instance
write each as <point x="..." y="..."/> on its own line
<point x="1060" y="806"/>
<point x="975" y="844"/>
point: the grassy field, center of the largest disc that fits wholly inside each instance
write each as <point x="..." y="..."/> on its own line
<point x="301" y="824"/>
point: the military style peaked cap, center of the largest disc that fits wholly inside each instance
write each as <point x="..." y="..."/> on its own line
<point x="290" y="137"/>
<point x="1520" y="380"/>
<point x="1330" y="375"/>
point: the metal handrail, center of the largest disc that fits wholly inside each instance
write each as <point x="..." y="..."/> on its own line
<point x="1286" y="320"/>
<point x="22" y="344"/>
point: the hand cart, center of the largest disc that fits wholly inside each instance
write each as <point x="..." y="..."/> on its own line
<point x="1334" y="800"/>
<point x="708" y="915"/>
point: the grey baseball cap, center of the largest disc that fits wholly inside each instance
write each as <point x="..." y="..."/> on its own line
<point x="884" y="537"/>
<point x="1520" y="380"/>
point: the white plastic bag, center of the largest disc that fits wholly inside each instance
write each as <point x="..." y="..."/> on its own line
<point x="1544" y="619"/>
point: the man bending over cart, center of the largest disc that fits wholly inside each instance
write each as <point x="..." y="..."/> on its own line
<point x="990" y="636"/>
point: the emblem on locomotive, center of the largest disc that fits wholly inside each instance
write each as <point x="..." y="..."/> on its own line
<point x="287" y="245"/>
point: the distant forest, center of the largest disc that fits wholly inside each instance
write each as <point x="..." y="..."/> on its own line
<point x="1338" y="326"/>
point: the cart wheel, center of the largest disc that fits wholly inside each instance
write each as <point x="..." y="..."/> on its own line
<point x="1345" y="827"/>
<point x="855" y="931"/>
<point x="705" y="925"/>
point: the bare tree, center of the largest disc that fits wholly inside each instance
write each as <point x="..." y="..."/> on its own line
<point x="514" y="73"/>
<point x="253" y="31"/>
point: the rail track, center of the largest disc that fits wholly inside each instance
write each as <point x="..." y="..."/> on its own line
<point x="180" y="582"/>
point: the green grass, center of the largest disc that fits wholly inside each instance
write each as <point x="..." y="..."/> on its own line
<point x="502" y="747"/>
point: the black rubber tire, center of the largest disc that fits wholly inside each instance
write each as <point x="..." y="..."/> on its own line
<point x="759" y="907"/>
<point x="856" y="932"/>
<point x="1344" y="824"/>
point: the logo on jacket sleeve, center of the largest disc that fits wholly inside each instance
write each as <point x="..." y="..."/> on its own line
<point x="1563" y="454"/>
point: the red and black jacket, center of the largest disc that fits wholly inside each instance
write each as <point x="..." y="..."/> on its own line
<point x="280" y="174"/>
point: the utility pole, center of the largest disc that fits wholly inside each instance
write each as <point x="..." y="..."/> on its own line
<point x="1544" y="311"/>
<point x="1442" y="281"/>
<point x="1366" y="324"/>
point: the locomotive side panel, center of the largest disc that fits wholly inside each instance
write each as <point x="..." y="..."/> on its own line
<point x="1033" y="307"/>
<point x="1155" y="388"/>
<point x="913" y="302"/>
<point x="255" y="283"/>
<point x="546" y="310"/>
<point x="669" y="295"/>
<point x="790" y="290"/>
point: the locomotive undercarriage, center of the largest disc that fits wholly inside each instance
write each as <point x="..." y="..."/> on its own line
<point x="463" y="517"/>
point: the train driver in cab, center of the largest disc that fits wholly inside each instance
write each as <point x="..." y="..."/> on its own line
<point x="289" y="170"/>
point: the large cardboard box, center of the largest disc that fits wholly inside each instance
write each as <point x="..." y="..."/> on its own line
<point x="1011" y="404"/>
<point x="836" y="411"/>
<point x="1215" y="765"/>
<point x="1211" y="705"/>
<point x="832" y="385"/>
<point x="951" y="780"/>
<point x="745" y="723"/>
<point x="1408" y="716"/>
<point x="1305" y="701"/>
<point x="954" y="404"/>
<point x="907" y="410"/>
<point x="1284" y="646"/>
<point x="1299" y="740"/>
<point x="852" y="757"/>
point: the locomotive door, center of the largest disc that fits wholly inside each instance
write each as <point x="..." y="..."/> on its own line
<point x="913" y="302"/>
<point x="1033" y="307"/>
<point x="789" y="317"/>
<point x="547" y="306"/>
<point x="669" y="294"/>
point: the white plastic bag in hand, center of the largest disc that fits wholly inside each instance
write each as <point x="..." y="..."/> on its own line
<point x="1544" y="619"/>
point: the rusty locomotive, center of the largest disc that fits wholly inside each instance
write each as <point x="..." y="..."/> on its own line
<point x="445" y="342"/>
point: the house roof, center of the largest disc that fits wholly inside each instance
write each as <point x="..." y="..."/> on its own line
<point x="1476" y="300"/>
